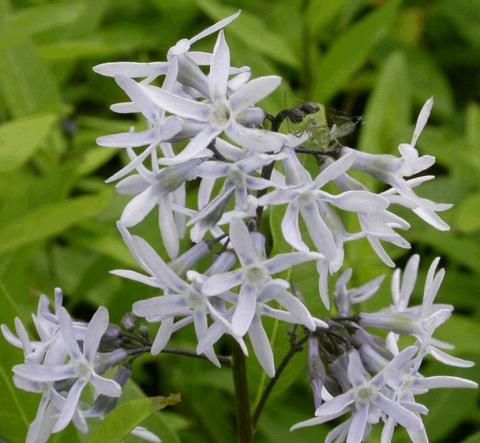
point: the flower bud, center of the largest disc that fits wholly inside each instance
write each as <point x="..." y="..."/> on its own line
<point x="316" y="371"/>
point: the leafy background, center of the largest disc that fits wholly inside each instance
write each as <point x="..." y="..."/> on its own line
<point x="379" y="59"/>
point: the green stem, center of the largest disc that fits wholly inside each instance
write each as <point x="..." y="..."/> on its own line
<point x="296" y="347"/>
<point x="242" y="403"/>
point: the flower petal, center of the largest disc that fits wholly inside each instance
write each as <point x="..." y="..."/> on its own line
<point x="261" y="346"/>
<point x="280" y="262"/>
<point x="253" y="92"/>
<point x="163" y="336"/>
<point x="159" y="268"/>
<point x="95" y="330"/>
<point x="139" y="207"/>
<point x="400" y="414"/>
<point x="45" y="373"/>
<point x="242" y="242"/>
<point x="165" y="305"/>
<point x="334" y="169"/>
<point x="130" y="139"/>
<point x="319" y="232"/>
<point x="255" y="139"/>
<point x="245" y="309"/>
<point x="214" y="28"/>
<point x="198" y="143"/>
<point x="66" y="328"/>
<point x="422" y="120"/>
<point x="219" y="70"/>
<point x="450" y="360"/>
<point x="355" y="369"/>
<point x="168" y="227"/>
<point x="443" y="381"/>
<point x="183" y="107"/>
<point x="294" y="306"/>
<point x="222" y="282"/>
<point x="358" y="201"/>
<point x="290" y="228"/>
<point x="139" y="95"/>
<point x="131" y="69"/>
<point x="70" y="405"/>
<point x="358" y="423"/>
<point x="335" y="406"/>
<point x="105" y="386"/>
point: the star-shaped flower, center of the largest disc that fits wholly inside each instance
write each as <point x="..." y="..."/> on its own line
<point x="254" y="275"/>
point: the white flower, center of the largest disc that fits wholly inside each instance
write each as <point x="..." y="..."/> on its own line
<point x="181" y="299"/>
<point x="155" y="189"/>
<point x="49" y="348"/>
<point x="223" y="111"/>
<point x="254" y="275"/>
<point x="393" y="170"/>
<point x="419" y="321"/>
<point x="295" y="313"/>
<point x="80" y="366"/>
<point x="324" y="227"/>
<point x="311" y="202"/>
<point x="238" y="175"/>
<point x="176" y="54"/>
<point x="406" y="382"/>
<point x="345" y="298"/>
<point x="378" y="225"/>
<point x="366" y="401"/>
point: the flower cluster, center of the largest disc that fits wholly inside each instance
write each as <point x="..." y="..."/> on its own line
<point x="371" y="378"/>
<point x="205" y="128"/>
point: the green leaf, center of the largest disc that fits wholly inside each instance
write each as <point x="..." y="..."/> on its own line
<point x="387" y="114"/>
<point x="321" y="13"/>
<point x="26" y="84"/>
<point x="351" y="50"/>
<point x="20" y="138"/>
<point x="254" y="32"/>
<point x="14" y="419"/>
<point x="475" y="438"/>
<point x="38" y="18"/>
<point x="51" y="219"/>
<point x="95" y="158"/>
<point x="428" y="79"/>
<point x="125" y="417"/>
<point x="457" y="404"/>
<point x="473" y="125"/>
<point x="165" y="425"/>
<point x="467" y="219"/>
<point x="16" y="407"/>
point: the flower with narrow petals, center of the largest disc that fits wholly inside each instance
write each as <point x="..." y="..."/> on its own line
<point x="419" y="321"/>
<point x="79" y="367"/>
<point x="223" y="111"/>
<point x="345" y="298"/>
<point x="155" y="189"/>
<point x="366" y="400"/>
<point x="254" y="274"/>
<point x="393" y="170"/>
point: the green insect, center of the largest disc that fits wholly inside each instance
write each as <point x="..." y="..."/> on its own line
<point x="325" y="127"/>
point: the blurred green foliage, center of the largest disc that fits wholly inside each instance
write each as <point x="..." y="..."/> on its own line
<point x="379" y="59"/>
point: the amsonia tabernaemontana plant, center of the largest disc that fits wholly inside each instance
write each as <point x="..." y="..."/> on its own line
<point x="205" y="129"/>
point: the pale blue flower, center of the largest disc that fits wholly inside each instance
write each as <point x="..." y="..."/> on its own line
<point x="366" y="400"/>
<point x="419" y="321"/>
<point x="79" y="367"/>
<point x="254" y="275"/>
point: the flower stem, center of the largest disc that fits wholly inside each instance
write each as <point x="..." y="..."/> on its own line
<point x="296" y="347"/>
<point x="223" y="359"/>
<point x="242" y="403"/>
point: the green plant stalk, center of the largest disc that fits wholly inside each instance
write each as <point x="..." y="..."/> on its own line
<point x="242" y="402"/>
